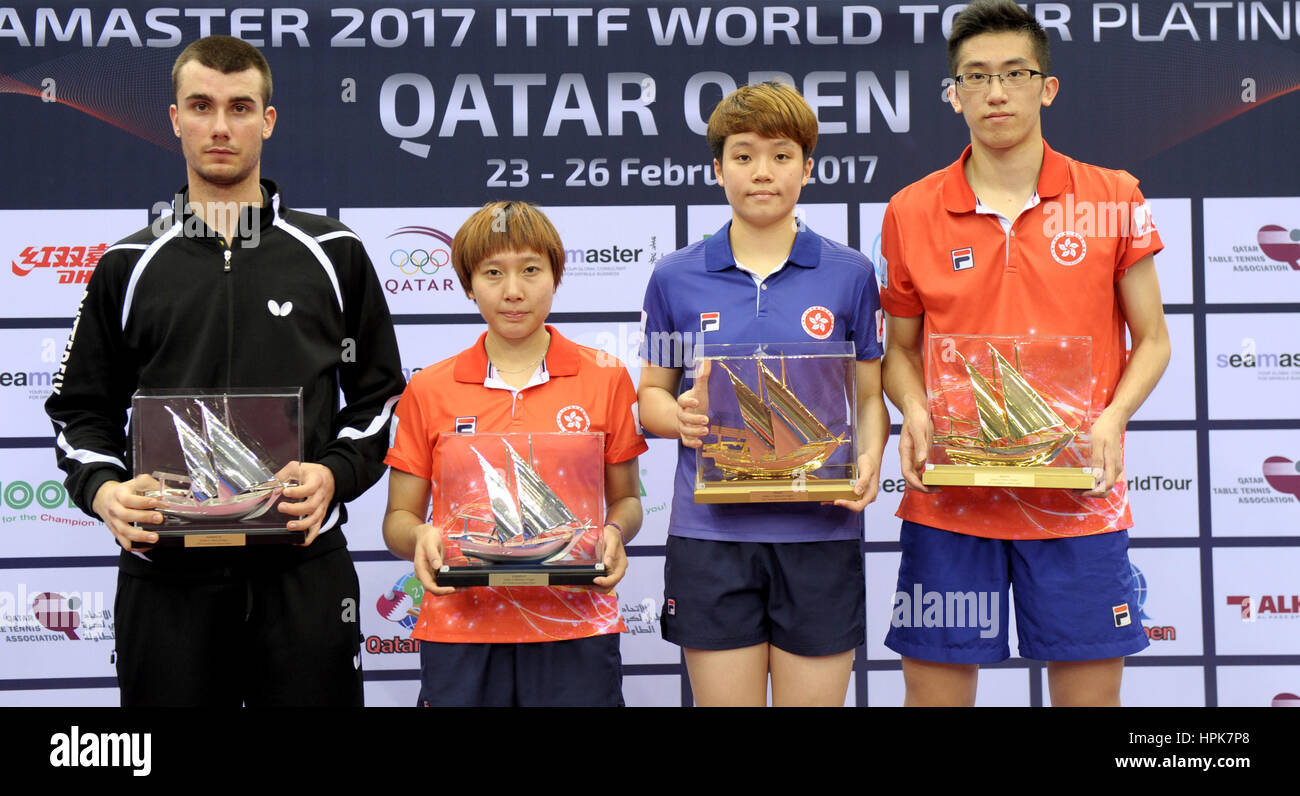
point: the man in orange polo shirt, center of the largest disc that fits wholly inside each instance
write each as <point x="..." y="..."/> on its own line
<point x="1017" y="239"/>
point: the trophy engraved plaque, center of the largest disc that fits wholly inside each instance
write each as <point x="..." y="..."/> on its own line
<point x="217" y="462"/>
<point x="1010" y="411"/>
<point x="781" y="422"/>
<point x="522" y="509"/>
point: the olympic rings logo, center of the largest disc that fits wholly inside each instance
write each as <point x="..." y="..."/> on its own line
<point x="419" y="261"/>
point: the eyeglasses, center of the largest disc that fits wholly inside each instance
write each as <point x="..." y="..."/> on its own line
<point x="1012" y="78"/>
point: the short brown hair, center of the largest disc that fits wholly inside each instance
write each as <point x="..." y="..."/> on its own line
<point x="505" y="227"/>
<point x="773" y="110"/>
<point x="997" y="16"/>
<point x="226" y="54"/>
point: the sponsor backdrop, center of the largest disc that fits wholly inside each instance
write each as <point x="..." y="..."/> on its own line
<point x="399" y="118"/>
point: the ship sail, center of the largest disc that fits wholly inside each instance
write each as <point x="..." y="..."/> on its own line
<point x="1017" y="427"/>
<point x="755" y="414"/>
<point x="239" y="467"/>
<point x="791" y="410"/>
<point x="1027" y="412"/>
<point x="541" y="509"/>
<point x="508" y="522"/>
<point x="993" y="423"/>
<point x="205" y="484"/>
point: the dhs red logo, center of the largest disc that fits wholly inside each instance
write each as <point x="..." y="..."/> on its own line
<point x="572" y="418"/>
<point x="818" y="322"/>
<point x="73" y="264"/>
<point x="1069" y="248"/>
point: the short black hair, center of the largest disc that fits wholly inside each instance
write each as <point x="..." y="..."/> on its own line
<point x="998" y="16"/>
<point x="227" y="55"/>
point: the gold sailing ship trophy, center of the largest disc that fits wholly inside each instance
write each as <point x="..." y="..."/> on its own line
<point x="218" y="463"/>
<point x="781" y="422"/>
<point x="521" y="509"/>
<point x="1009" y="411"/>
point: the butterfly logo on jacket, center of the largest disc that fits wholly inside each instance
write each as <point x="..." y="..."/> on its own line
<point x="279" y="310"/>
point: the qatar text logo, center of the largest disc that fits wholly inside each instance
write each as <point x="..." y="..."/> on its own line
<point x="1281" y="244"/>
<point x="73" y="264"/>
<point x="1069" y="248"/>
<point x="1283" y="475"/>
<point x="400" y="604"/>
<point x="419" y="261"/>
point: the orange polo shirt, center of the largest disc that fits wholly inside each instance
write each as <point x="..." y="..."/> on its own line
<point x="1053" y="272"/>
<point x="580" y="389"/>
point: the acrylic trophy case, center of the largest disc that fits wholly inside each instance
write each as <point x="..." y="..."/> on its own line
<point x="781" y="422"/>
<point x="521" y="509"/>
<point x="218" y="462"/>
<point x="1010" y="411"/>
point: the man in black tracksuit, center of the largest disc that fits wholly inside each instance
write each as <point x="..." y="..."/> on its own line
<point x="233" y="290"/>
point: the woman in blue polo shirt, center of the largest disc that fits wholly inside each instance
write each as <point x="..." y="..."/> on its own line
<point x="752" y="590"/>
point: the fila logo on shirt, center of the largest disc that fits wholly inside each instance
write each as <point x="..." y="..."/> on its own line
<point x="963" y="259"/>
<point x="1069" y="248"/>
<point x="279" y="310"/>
<point x="1121" y="613"/>
<point x="466" y="425"/>
<point x="572" y="418"/>
<point x="710" y="321"/>
<point x="818" y="322"/>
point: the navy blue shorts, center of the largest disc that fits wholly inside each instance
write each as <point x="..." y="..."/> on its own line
<point x="806" y="598"/>
<point x="1075" y="598"/>
<point x="584" y="672"/>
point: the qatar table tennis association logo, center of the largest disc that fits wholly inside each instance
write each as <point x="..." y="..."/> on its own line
<point x="1281" y="244"/>
<point x="1283" y="475"/>
<point x="1286" y="700"/>
<point x="57" y="613"/>
<point x="401" y="604"/>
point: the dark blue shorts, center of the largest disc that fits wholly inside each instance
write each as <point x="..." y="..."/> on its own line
<point x="1075" y="599"/>
<point x="584" y="672"/>
<point x="806" y="598"/>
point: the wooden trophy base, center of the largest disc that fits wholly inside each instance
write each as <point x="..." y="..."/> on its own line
<point x="985" y="475"/>
<point x="783" y="491"/>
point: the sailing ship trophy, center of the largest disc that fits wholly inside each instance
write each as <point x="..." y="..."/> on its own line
<point x="521" y="509"/>
<point x="781" y="422"/>
<point x="218" y="464"/>
<point x="1009" y="411"/>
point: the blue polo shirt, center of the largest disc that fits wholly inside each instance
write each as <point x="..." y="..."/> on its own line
<point x="824" y="291"/>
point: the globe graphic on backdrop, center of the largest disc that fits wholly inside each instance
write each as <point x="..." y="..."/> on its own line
<point x="1140" y="587"/>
